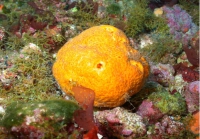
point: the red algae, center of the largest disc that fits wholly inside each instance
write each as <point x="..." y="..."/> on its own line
<point x="84" y="117"/>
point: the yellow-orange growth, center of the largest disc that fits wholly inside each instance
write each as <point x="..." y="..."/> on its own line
<point x="194" y="124"/>
<point x="101" y="59"/>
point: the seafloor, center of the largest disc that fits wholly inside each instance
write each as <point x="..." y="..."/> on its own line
<point x="34" y="106"/>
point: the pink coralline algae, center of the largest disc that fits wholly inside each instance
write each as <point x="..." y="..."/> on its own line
<point x="162" y="73"/>
<point x="188" y="74"/>
<point x="26" y="131"/>
<point x="149" y="112"/>
<point x="119" y="122"/>
<point x="192" y="51"/>
<point x="192" y="96"/>
<point x="180" y="24"/>
<point x="161" y="103"/>
<point x="167" y="126"/>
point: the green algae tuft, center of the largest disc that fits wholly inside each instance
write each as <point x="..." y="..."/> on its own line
<point x="171" y="104"/>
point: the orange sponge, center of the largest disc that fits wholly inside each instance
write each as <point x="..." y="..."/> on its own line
<point x="101" y="59"/>
<point x="194" y="124"/>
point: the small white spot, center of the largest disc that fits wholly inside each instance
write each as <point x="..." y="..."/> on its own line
<point x="2" y="110"/>
<point x="99" y="136"/>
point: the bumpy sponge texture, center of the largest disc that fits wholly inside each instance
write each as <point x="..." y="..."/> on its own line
<point x="100" y="58"/>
